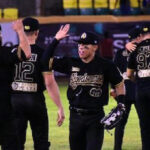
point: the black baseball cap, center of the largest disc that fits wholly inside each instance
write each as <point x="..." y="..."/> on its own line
<point x="30" y="24"/>
<point x="134" y="33"/>
<point x="88" y="38"/>
<point x="145" y="29"/>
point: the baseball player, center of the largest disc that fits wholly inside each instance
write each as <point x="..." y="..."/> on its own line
<point x="8" y="57"/>
<point x="28" y="100"/>
<point x="89" y="77"/>
<point x="121" y="61"/>
<point x="139" y="61"/>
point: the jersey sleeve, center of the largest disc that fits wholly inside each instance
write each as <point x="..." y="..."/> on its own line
<point x="20" y="54"/>
<point x="60" y="64"/>
<point x="132" y="61"/>
<point x="114" y="75"/>
<point x="11" y="55"/>
<point x="49" y="52"/>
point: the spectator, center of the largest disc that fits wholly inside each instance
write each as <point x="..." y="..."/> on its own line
<point x="106" y="47"/>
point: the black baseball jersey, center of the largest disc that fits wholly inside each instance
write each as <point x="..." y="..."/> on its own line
<point x="27" y="76"/>
<point x="88" y="86"/>
<point x="121" y="61"/>
<point x="8" y="56"/>
<point x="139" y="60"/>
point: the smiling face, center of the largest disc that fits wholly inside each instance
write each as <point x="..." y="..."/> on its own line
<point x="87" y="51"/>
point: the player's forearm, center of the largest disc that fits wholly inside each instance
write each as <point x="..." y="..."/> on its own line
<point x="49" y="52"/>
<point x="132" y="78"/>
<point x="120" y="89"/>
<point x="130" y="74"/>
<point x="120" y="92"/>
<point x="53" y="92"/>
<point x="24" y="44"/>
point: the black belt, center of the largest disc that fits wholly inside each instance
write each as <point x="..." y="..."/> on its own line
<point x="83" y="111"/>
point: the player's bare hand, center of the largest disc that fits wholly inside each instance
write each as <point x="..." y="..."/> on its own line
<point x="17" y="25"/>
<point x="63" y="32"/>
<point x="113" y="93"/>
<point x="130" y="46"/>
<point x="61" y="117"/>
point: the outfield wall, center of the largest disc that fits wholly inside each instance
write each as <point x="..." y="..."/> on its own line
<point x="118" y="27"/>
<point x="98" y="18"/>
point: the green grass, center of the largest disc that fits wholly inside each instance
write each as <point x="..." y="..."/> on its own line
<point x="59" y="135"/>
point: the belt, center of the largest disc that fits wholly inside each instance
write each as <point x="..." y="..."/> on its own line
<point x="82" y="111"/>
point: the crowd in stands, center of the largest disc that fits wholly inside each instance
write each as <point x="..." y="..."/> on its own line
<point x="105" y="7"/>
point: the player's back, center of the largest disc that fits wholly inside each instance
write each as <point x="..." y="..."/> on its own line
<point x="142" y="63"/>
<point x="28" y="74"/>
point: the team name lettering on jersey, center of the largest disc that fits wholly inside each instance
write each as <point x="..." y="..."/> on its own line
<point x="86" y="80"/>
<point x="33" y="57"/>
<point x="144" y="49"/>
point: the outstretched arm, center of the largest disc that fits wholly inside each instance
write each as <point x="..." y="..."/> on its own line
<point x="53" y="92"/>
<point x="23" y="41"/>
<point x="49" y="52"/>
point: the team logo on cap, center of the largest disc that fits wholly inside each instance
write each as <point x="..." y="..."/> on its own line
<point x="83" y="36"/>
<point x="145" y="29"/>
<point x="27" y="27"/>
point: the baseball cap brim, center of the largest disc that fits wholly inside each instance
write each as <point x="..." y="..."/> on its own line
<point x="80" y="41"/>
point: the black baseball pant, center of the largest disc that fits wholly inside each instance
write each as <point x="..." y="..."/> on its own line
<point x="119" y="130"/>
<point x="143" y="109"/>
<point x="86" y="132"/>
<point x="8" y="134"/>
<point x="32" y="108"/>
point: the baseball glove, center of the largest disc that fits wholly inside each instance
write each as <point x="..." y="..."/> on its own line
<point x="113" y="118"/>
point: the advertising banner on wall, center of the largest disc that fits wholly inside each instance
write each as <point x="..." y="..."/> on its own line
<point x="67" y="46"/>
<point x="118" y="32"/>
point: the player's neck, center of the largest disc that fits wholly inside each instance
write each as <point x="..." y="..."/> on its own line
<point x="88" y="59"/>
<point x="31" y="40"/>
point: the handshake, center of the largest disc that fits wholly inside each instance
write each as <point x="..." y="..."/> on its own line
<point x="111" y="120"/>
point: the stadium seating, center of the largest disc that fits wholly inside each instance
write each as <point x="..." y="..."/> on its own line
<point x="145" y="8"/>
<point x="70" y="7"/>
<point x="10" y="13"/>
<point x="86" y="7"/>
<point x="135" y="7"/>
<point x="101" y="7"/>
<point x="114" y="7"/>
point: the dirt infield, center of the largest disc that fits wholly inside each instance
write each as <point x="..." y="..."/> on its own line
<point x="85" y="19"/>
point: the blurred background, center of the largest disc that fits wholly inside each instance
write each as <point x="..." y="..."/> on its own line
<point x="110" y="19"/>
<point x="76" y="7"/>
